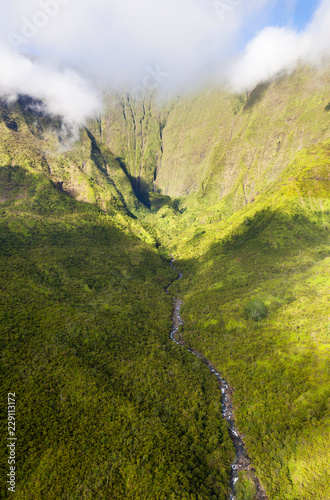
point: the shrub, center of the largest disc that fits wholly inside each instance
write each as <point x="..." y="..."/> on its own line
<point x="255" y="309"/>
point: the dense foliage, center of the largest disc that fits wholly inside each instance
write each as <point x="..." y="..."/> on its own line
<point x="255" y="309"/>
<point x="107" y="405"/>
<point x="279" y="366"/>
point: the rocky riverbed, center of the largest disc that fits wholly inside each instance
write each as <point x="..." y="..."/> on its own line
<point x="242" y="461"/>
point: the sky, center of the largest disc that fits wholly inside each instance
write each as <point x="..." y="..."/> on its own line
<point x="295" y="14"/>
<point x="84" y="45"/>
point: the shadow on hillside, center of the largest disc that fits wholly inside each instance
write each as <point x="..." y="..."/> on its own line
<point x="140" y="187"/>
<point x="261" y="249"/>
<point x="256" y="95"/>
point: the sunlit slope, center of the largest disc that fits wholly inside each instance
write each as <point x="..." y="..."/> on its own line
<point x="220" y="144"/>
<point x="276" y="250"/>
<point x="211" y="143"/>
<point x="76" y="162"/>
<point x="107" y="405"/>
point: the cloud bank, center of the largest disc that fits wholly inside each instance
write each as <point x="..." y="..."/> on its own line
<point x="277" y="49"/>
<point x="65" y="92"/>
<point x="124" y="41"/>
<point x="146" y="44"/>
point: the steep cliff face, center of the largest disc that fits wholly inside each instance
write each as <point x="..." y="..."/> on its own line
<point x="194" y="128"/>
<point x="165" y="147"/>
<point x="214" y="144"/>
<point x="276" y="121"/>
<point x="205" y="149"/>
<point x="132" y="129"/>
<point x="78" y="165"/>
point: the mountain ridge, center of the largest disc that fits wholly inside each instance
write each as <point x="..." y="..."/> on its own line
<point x="236" y="187"/>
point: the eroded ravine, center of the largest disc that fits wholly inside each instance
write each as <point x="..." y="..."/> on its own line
<point x="242" y="461"/>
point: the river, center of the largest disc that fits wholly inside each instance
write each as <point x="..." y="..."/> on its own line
<point x="242" y="461"/>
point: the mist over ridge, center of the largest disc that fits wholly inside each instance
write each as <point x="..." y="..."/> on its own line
<point x="146" y="46"/>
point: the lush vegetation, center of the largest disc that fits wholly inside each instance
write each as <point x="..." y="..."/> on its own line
<point x="274" y="253"/>
<point x="209" y="144"/>
<point x="107" y="405"/>
<point x="255" y="309"/>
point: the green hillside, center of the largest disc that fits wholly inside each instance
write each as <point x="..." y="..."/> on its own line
<point x="212" y="143"/>
<point x="75" y="161"/>
<point x="236" y="187"/>
<point x="276" y="251"/>
<point x="107" y="407"/>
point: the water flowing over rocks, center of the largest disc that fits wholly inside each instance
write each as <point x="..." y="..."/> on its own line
<point x="242" y="461"/>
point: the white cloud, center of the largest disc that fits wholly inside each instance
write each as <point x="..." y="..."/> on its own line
<point x="119" y="39"/>
<point x="65" y="92"/>
<point x="154" y="43"/>
<point x="278" y="49"/>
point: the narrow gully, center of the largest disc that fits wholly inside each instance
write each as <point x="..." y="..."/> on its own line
<point x="242" y="461"/>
